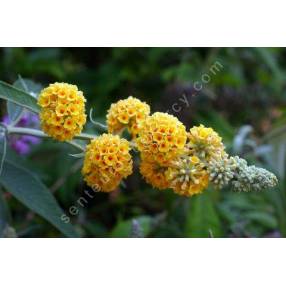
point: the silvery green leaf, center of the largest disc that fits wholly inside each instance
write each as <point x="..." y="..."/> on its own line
<point x="18" y="96"/>
<point x="239" y="139"/>
<point x="14" y="110"/>
<point x="29" y="86"/>
<point x="9" y="232"/>
<point x="277" y="140"/>
<point x="29" y="190"/>
<point x="4" y="214"/>
<point x="3" y="146"/>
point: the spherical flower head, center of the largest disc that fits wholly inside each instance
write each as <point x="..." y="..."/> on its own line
<point x="154" y="174"/>
<point x="128" y="113"/>
<point x="222" y="170"/>
<point x="161" y="138"/>
<point x="205" y="143"/>
<point x="107" y="161"/>
<point x="187" y="176"/>
<point x="62" y="112"/>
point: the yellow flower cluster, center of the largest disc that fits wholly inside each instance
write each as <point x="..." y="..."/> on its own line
<point x="154" y="174"/>
<point x="62" y="112"/>
<point x="187" y="176"/>
<point x="107" y="161"/>
<point x="161" y="138"/>
<point x="205" y="143"/>
<point x="130" y="113"/>
<point x="171" y="157"/>
<point x="169" y="161"/>
<point x="166" y="160"/>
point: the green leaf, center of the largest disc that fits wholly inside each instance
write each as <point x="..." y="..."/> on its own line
<point x="203" y="218"/>
<point x="270" y="60"/>
<point x="4" y="214"/>
<point x="29" y="190"/>
<point x="277" y="140"/>
<point x="3" y="146"/>
<point x="26" y="85"/>
<point x="262" y="218"/>
<point x="14" y="111"/>
<point x="9" y="232"/>
<point x="20" y="97"/>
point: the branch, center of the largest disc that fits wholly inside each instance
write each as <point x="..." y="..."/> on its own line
<point x="39" y="133"/>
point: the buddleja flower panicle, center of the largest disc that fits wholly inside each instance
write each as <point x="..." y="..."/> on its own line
<point x="107" y="161"/>
<point x="187" y="176"/>
<point x="161" y="138"/>
<point x="221" y="171"/>
<point x="154" y="174"/>
<point x="171" y="157"/>
<point x="128" y="113"/>
<point x="205" y="143"/>
<point x="62" y="112"/>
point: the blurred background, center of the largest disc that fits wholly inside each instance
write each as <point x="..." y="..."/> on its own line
<point x="240" y="92"/>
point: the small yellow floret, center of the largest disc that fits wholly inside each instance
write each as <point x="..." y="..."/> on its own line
<point x="130" y="113"/>
<point x="161" y="138"/>
<point x="107" y="161"/>
<point x="62" y="111"/>
<point x="154" y="174"/>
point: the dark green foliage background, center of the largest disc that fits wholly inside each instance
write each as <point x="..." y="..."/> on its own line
<point x="249" y="89"/>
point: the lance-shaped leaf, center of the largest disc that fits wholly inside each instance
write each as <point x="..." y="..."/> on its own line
<point x="28" y="189"/>
<point x="4" y="214"/>
<point x="20" y="97"/>
<point x="15" y="111"/>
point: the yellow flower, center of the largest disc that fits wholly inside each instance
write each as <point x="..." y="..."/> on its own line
<point x="107" y="161"/>
<point x="56" y="120"/>
<point x="62" y="111"/>
<point x="45" y="100"/>
<point x="154" y="174"/>
<point x="128" y="113"/>
<point x="73" y="109"/>
<point x="161" y="138"/>
<point x="187" y="176"/>
<point x="70" y="124"/>
<point x="205" y="143"/>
